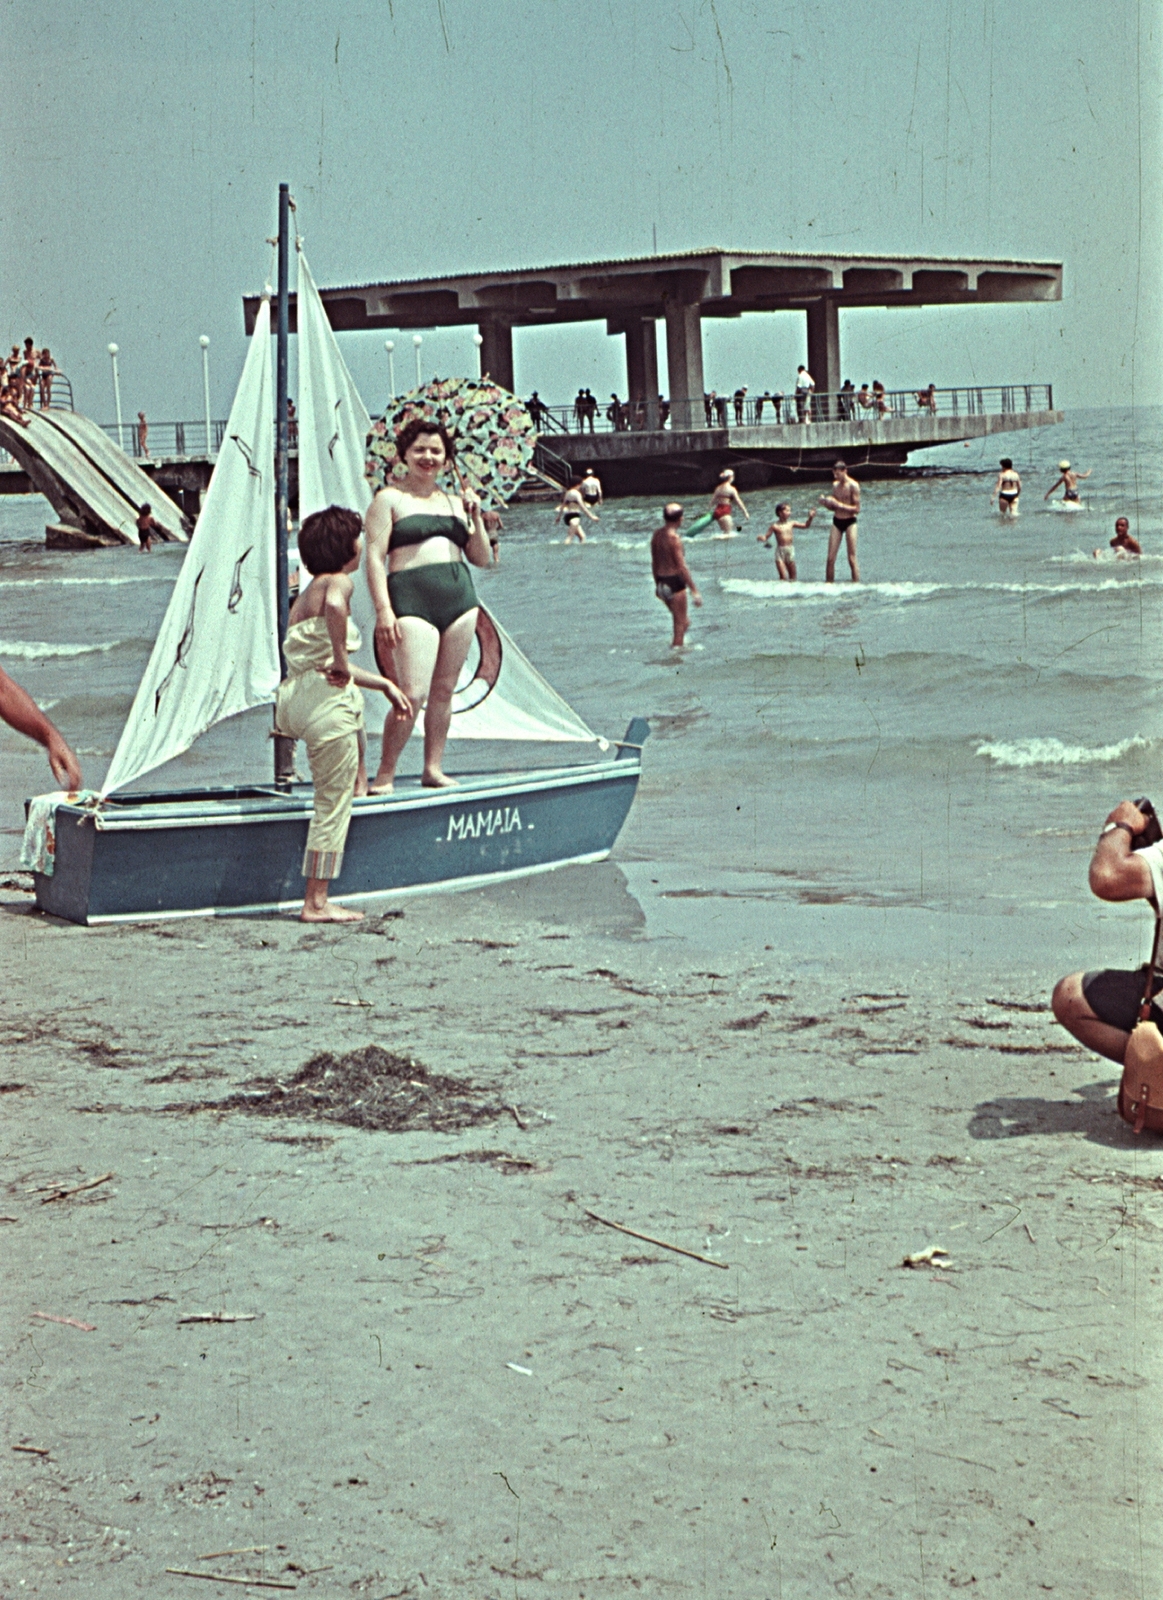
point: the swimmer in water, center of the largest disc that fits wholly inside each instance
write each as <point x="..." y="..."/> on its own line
<point x="1008" y="488"/>
<point x="1069" y="481"/>
<point x="571" y="510"/>
<point x="723" y="497"/>
<point x="785" y="549"/>
<point x="672" y="576"/>
<point x="844" y="504"/>
<point x="1124" y="544"/>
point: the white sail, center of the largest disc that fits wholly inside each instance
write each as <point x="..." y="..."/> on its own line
<point x="333" y="421"/>
<point x="217" y="651"/>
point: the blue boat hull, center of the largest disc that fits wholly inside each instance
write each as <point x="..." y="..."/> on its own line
<point x="216" y="852"/>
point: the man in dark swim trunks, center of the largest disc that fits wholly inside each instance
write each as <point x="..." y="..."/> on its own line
<point x="672" y="576"/>
<point x="844" y="504"/>
<point x="1101" y="1008"/>
<point x="1069" y="479"/>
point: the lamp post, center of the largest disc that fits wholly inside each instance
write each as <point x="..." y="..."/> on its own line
<point x="113" y="350"/>
<point x="389" y="346"/>
<point x="205" y="343"/>
<point x="479" y="341"/>
<point x="417" y="341"/>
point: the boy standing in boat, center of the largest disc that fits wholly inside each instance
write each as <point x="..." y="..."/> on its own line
<point x="319" y="700"/>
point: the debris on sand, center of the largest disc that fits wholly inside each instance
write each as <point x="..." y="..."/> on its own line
<point x="366" y="1088"/>
<point x="934" y="1256"/>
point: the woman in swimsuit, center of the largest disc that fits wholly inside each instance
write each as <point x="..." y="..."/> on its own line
<point x="724" y="497"/>
<point x="1008" y="488"/>
<point x="426" y="606"/>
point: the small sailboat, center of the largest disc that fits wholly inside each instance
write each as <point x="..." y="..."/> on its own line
<point x="123" y="855"/>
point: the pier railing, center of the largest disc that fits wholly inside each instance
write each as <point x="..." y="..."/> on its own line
<point x="792" y="411"/>
<point x="167" y="439"/>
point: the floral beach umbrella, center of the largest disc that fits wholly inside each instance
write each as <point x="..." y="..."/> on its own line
<point x="494" y="434"/>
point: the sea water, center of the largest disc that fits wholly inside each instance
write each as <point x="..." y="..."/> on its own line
<point x="919" y="763"/>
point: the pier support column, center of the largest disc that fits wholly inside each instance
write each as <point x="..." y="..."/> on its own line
<point x="497" y="351"/>
<point x="684" y="365"/>
<point x="824" y="353"/>
<point x="642" y="372"/>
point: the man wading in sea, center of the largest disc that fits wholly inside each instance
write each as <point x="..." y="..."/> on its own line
<point x="844" y="504"/>
<point x="672" y="576"/>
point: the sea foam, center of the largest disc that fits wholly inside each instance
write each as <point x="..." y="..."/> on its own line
<point x="1053" y="753"/>
<point x="30" y="650"/>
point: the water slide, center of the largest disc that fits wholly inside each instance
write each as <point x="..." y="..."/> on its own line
<point x="123" y="474"/>
<point x="90" y="486"/>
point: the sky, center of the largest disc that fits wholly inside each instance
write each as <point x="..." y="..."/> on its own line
<point x="142" y="157"/>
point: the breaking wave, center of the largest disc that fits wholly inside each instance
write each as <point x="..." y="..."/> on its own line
<point x="1053" y="753"/>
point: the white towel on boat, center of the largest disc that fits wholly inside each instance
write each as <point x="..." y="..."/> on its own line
<point x="38" y="848"/>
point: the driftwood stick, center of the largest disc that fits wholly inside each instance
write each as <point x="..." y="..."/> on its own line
<point x="725" y="1266"/>
<point x="221" y="1577"/>
<point x="218" y="1316"/>
<point x="31" y="1449"/>
<point x="64" y="1194"/>
<point x="241" y="1550"/>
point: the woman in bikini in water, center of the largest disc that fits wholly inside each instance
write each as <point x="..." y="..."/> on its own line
<point x="418" y="537"/>
<point x="1008" y="489"/>
<point x="724" y="497"/>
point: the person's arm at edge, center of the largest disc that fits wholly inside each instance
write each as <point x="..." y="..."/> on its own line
<point x="679" y="555"/>
<point x="478" y="550"/>
<point x="336" y="609"/>
<point x="1052" y="488"/>
<point x="20" y="711"/>
<point x="1117" y="872"/>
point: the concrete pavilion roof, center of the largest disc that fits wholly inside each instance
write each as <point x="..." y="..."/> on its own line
<point x="723" y="283"/>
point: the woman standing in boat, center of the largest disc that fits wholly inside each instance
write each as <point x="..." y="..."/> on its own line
<point x="419" y="536"/>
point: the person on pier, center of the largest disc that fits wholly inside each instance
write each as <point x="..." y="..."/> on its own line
<point x="420" y="541"/>
<point x="844" y="504"/>
<point x="724" y="497"/>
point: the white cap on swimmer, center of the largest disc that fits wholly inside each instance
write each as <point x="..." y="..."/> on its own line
<point x="1064" y="466"/>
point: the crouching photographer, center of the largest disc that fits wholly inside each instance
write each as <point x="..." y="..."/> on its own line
<point x="1115" y="1012"/>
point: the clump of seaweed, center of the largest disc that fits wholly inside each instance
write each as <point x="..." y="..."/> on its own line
<point x="367" y="1088"/>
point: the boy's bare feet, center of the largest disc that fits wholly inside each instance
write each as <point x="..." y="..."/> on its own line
<point x="437" y="780"/>
<point x="329" y="913"/>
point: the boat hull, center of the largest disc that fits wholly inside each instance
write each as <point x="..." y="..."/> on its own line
<point x="231" y="851"/>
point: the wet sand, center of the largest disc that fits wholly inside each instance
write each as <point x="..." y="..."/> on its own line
<point x="455" y="1382"/>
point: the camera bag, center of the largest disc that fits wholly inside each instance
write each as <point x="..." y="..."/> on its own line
<point x="1140" y="1099"/>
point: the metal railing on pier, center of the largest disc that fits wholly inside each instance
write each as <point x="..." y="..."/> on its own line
<point x="165" y="440"/>
<point x="774" y="409"/>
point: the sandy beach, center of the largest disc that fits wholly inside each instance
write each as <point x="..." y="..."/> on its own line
<point x="446" y="1378"/>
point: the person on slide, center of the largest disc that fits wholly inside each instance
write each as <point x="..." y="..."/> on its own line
<point x="724" y="497"/>
<point x="426" y="607"/>
<point x="1069" y="481"/>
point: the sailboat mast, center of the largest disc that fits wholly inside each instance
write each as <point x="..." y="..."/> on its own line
<point x="284" y="748"/>
<point x="281" y="432"/>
